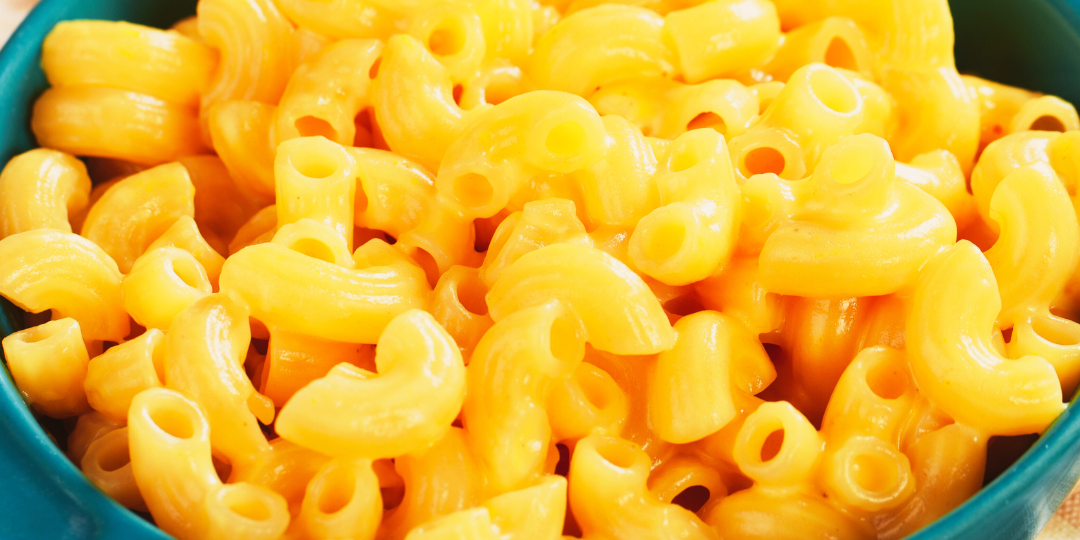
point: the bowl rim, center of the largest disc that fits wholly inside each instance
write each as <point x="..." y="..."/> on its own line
<point x="30" y="437"/>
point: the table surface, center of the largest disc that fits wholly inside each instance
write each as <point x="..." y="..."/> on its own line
<point x="1065" y="525"/>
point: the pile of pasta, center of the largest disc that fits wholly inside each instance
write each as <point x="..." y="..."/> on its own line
<point x="504" y="269"/>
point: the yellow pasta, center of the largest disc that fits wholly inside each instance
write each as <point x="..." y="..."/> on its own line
<point x="116" y="376"/>
<point x="48" y="362"/>
<point x="413" y="270"/>
<point x="139" y="209"/>
<point x="514" y="367"/>
<point x="255" y="42"/>
<point x="634" y="47"/>
<point x="145" y="129"/>
<point x="166" y="65"/>
<point x="46" y="269"/>
<point x="207" y="366"/>
<point x="408" y="406"/>
<point x="42" y="189"/>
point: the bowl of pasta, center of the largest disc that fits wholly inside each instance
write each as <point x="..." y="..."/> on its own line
<point x="734" y="269"/>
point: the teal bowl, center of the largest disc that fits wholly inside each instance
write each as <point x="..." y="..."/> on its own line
<point x="1029" y="43"/>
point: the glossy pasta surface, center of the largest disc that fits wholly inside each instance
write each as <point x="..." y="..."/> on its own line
<point x="536" y="270"/>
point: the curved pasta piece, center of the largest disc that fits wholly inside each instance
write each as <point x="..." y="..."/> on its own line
<point x="512" y="371"/>
<point x="535" y="133"/>
<point x="48" y="363"/>
<point x="438" y="481"/>
<point x="256" y="45"/>
<point x="184" y="234"/>
<point x="936" y="112"/>
<point x="1039" y="243"/>
<point x="952" y="358"/>
<point x="170" y="458"/>
<point x="89" y="428"/>
<point x="342" y="500"/>
<point x="619" y="188"/>
<point x="694" y="233"/>
<point x="241" y="131"/>
<point x="721" y="38"/>
<point x="406" y="407"/>
<point x="458" y="304"/>
<point x="454" y="34"/>
<point x="327" y="91"/>
<point x="817" y="107"/>
<point x="145" y="130"/>
<point x="540" y="223"/>
<point x="756" y="514"/>
<point x="588" y="401"/>
<point x="47" y="269"/>
<point x="851" y="217"/>
<point x="116" y="376"/>
<point x="609" y="497"/>
<point x="106" y="465"/>
<point x="414" y="103"/>
<point x="139" y="209"/>
<point x="41" y="189"/>
<point x="315" y="179"/>
<point x="1045" y="113"/>
<point x="353" y="306"/>
<point x="620" y="313"/>
<point x="873" y="398"/>
<point x="166" y="65"/>
<point x="348" y="19"/>
<point x="691" y="393"/>
<point x="204" y="359"/>
<point x="939" y="174"/>
<point x="633" y="47"/>
<point x="162" y="283"/>
<point x="393" y="193"/>
<point x="835" y="41"/>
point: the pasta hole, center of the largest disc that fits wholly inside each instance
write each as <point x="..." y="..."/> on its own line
<point x="852" y="166"/>
<point x="337" y="490"/>
<point x="564" y="341"/>
<point x="772" y="445"/>
<point x="471" y="292"/>
<point x="692" y="498"/>
<point x="1057" y="331"/>
<point x="763" y="160"/>
<point x="708" y="120"/>
<point x="35" y="334"/>
<point x="885" y="382"/>
<point x="114" y="458"/>
<point x="617" y="453"/>
<point x="186" y="270"/>
<point x="250" y="508"/>
<point x="839" y="55"/>
<point x="566" y="139"/>
<point x="313" y="161"/>
<point x="1048" y="123"/>
<point x="315" y="249"/>
<point x="562" y="467"/>
<point x="875" y="472"/>
<point x="457" y="92"/>
<point x="473" y="190"/>
<point x="682" y="158"/>
<point x="312" y="126"/>
<point x="664" y="240"/>
<point x="392" y="496"/>
<point x="223" y="469"/>
<point x="373" y="71"/>
<point x="683" y="305"/>
<point x="447" y="39"/>
<point x="834" y="91"/>
<point x="173" y="422"/>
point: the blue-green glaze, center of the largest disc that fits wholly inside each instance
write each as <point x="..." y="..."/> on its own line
<point x="1030" y="43"/>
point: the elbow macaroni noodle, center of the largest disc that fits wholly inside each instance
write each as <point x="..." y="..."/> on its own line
<point x="500" y="269"/>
